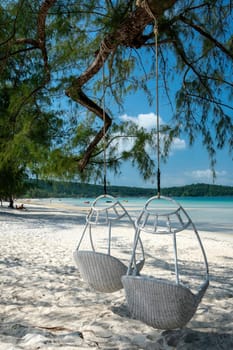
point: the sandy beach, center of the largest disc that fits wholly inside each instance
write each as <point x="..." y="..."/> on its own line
<point x="46" y="305"/>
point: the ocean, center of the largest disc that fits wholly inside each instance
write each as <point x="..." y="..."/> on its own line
<point x="208" y="213"/>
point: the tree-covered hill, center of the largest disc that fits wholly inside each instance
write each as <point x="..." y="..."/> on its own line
<point x="47" y="189"/>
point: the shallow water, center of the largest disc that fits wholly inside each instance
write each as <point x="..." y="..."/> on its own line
<point x="208" y="213"/>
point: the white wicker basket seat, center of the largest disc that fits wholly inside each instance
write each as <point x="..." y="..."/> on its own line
<point x="159" y="303"/>
<point x="103" y="271"/>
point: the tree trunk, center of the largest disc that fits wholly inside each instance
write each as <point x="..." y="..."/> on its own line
<point x="11" y="202"/>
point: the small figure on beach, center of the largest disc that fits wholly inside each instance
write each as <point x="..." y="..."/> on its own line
<point x="21" y="206"/>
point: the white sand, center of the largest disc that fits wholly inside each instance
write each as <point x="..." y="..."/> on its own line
<point x="46" y="305"/>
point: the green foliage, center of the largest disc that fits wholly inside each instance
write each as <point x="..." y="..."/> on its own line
<point x="12" y="181"/>
<point x="43" y="132"/>
<point x="27" y="132"/>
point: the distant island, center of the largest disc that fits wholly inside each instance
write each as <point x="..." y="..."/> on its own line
<point x="63" y="189"/>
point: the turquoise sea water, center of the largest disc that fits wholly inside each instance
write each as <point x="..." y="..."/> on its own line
<point x="208" y="213"/>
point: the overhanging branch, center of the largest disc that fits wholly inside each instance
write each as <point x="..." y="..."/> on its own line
<point x="128" y="34"/>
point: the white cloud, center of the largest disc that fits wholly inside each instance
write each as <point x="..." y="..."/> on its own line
<point x="205" y="175"/>
<point x="178" y="144"/>
<point x="148" y="121"/>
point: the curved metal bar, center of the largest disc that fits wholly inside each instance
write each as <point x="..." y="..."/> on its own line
<point x="176" y="258"/>
<point x="142" y="220"/>
<point x="80" y="241"/>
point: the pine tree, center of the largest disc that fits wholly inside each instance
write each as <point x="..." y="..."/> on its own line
<point x="52" y="54"/>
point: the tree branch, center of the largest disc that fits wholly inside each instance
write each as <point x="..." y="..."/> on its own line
<point x="217" y="103"/>
<point x="180" y="50"/>
<point x="41" y="24"/>
<point x="206" y="35"/>
<point x="129" y="34"/>
<point x="41" y="44"/>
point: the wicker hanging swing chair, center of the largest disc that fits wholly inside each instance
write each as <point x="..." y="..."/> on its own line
<point x="99" y="266"/>
<point x="161" y="302"/>
<point x="100" y="263"/>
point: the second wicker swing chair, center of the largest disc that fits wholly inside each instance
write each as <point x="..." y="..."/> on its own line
<point x="165" y="303"/>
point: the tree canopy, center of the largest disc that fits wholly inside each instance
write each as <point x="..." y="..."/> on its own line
<point x="62" y="60"/>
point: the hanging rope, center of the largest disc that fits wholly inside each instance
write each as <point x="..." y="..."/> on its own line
<point x="147" y="8"/>
<point x="150" y="13"/>
<point x="157" y="105"/>
<point x="104" y="133"/>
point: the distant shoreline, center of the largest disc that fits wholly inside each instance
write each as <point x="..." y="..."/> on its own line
<point x="62" y="189"/>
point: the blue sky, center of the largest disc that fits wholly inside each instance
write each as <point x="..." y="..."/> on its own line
<point x="185" y="165"/>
